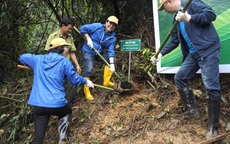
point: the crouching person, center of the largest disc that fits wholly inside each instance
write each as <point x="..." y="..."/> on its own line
<point x="48" y="93"/>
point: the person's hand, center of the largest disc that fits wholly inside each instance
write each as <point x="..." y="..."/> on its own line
<point x="89" y="42"/>
<point x="78" y="69"/>
<point x="89" y="83"/>
<point x="112" y="67"/>
<point x="155" y="60"/>
<point x="185" y="17"/>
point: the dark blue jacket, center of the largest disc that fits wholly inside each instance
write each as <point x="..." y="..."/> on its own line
<point x="96" y="31"/>
<point x="200" y="31"/>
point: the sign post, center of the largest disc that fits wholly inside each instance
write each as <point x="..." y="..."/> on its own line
<point x="130" y="45"/>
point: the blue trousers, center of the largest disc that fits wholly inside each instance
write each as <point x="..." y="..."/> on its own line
<point x="209" y="67"/>
<point x="88" y="60"/>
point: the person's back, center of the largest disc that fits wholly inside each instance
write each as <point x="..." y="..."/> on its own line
<point x="48" y="94"/>
<point x="49" y="77"/>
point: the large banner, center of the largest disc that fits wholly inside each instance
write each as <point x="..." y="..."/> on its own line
<point x="171" y="62"/>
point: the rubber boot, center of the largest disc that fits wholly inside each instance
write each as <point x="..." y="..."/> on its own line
<point x="213" y="116"/>
<point x="63" y="128"/>
<point x="107" y="75"/>
<point x="189" y="101"/>
<point x="88" y="95"/>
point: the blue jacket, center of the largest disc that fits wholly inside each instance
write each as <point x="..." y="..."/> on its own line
<point x="50" y="72"/>
<point x="200" y="31"/>
<point x="96" y="32"/>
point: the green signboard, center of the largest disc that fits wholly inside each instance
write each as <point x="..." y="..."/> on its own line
<point x="131" y="45"/>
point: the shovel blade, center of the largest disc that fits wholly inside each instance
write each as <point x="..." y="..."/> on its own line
<point x="126" y="85"/>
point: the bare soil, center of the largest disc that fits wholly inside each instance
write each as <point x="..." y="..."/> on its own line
<point x="140" y="116"/>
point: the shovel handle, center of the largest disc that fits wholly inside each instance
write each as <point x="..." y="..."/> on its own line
<point x="172" y="28"/>
<point x="104" y="87"/>
<point x="106" y="63"/>
<point x="98" y="54"/>
<point x="169" y="34"/>
<point x="96" y="85"/>
<point x="24" y="67"/>
<point x="92" y="47"/>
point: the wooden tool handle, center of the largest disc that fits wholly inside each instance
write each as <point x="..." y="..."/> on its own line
<point x="24" y="67"/>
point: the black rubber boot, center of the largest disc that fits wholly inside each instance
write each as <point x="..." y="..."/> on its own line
<point x="189" y="101"/>
<point x="63" y="128"/>
<point x="213" y="116"/>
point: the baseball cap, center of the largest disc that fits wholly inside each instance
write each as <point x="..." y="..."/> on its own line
<point x="113" y="19"/>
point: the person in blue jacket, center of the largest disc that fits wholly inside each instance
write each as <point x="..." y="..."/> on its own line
<point x="101" y="37"/>
<point x="200" y="45"/>
<point x="48" y="93"/>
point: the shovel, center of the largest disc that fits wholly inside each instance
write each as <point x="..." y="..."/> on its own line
<point x="96" y="85"/>
<point x="167" y="36"/>
<point x="124" y="84"/>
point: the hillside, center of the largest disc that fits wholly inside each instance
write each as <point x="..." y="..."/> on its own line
<point x="143" y="115"/>
<point x="148" y="114"/>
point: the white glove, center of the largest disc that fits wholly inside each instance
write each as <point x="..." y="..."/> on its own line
<point x="185" y="17"/>
<point x="89" y="42"/>
<point x="112" y="67"/>
<point x="155" y="60"/>
<point x="89" y="83"/>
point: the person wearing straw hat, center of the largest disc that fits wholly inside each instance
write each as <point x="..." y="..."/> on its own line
<point x="200" y="46"/>
<point x="48" y="93"/>
<point x="66" y="27"/>
<point x="101" y="37"/>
